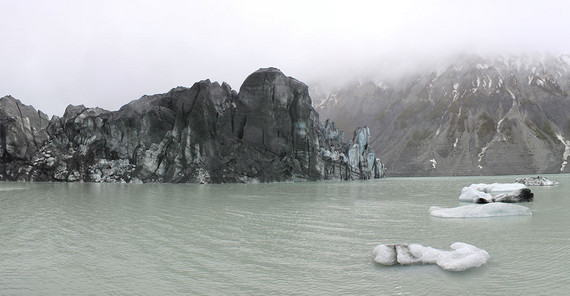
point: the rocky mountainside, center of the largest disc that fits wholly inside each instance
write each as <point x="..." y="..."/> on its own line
<point x="473" y="116"/>
<point x="204" y="134"/>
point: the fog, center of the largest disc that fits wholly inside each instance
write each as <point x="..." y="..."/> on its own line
<point x="107" y="53"/>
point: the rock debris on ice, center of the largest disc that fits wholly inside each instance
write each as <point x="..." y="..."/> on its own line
<point x="475" y="191"/>
<point x="536" y="181"/>
<point x="496" y="192"/>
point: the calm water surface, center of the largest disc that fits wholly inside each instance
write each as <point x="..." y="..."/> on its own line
<point x="271" y="239"/>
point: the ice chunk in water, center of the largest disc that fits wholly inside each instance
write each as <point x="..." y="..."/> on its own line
<point x="481" y="211"/>
<point x="536" y="181"/>
<point x="496" y="187"/>
<point x="463" y="256"/>
<point x="471" y="195"/>
<point x="483" y="193"/>
<point x="385" y="254"/>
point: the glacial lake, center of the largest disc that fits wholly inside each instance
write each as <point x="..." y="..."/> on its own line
<point x="313" y="238"/>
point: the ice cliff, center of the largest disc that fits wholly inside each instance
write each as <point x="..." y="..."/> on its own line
<point x="209" y="133"/>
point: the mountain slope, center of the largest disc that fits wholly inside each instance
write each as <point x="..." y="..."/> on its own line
<point x="474" y="116"/>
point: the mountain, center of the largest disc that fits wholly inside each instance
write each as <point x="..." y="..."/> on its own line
<point x="469" y="116"/>
<point x="208" y="133"/>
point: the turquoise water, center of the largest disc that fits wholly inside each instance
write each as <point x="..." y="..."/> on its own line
<point x="271" y="239"/>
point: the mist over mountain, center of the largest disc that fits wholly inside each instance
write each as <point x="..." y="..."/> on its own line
<point x="469" y="115"/>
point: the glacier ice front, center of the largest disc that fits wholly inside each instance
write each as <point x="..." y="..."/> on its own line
<point x="463" y="256"/>
<point x="481" y="211"/>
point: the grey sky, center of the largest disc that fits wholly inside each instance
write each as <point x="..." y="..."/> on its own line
<point x="107" y="53"/>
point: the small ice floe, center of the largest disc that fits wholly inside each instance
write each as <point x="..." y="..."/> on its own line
<point x="11" y="188"/>
<point x="481" y="211"/>
<point x="463" y="256"/>
<point x="536" y="181"/>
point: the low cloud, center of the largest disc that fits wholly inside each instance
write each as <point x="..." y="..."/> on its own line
<point x="107" y="53"/>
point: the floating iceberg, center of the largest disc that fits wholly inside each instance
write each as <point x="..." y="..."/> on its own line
<point x="463" y="256"/>
<point x="471" y="195"/>
<point x="483" y="193"/>
<point x="536" y="181"/>
<point x="481" y="211"/>
<point x="496" y="187"/>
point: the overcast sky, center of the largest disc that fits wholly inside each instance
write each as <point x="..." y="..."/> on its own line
<point x="107" y="53"/>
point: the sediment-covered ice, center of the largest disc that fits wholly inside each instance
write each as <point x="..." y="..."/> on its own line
<point x="536" y="181"/>
<point x="520" y="195"/>
<point x="483" y="193"/>
<point x="481" y="211"/>
<point x="463" y="256"/>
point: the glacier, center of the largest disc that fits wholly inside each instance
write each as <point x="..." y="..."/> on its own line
<point x="463" y="256"/>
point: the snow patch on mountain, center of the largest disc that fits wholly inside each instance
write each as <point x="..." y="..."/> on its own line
<point x="433" y="163"/>
<point x="566" y="151"/>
